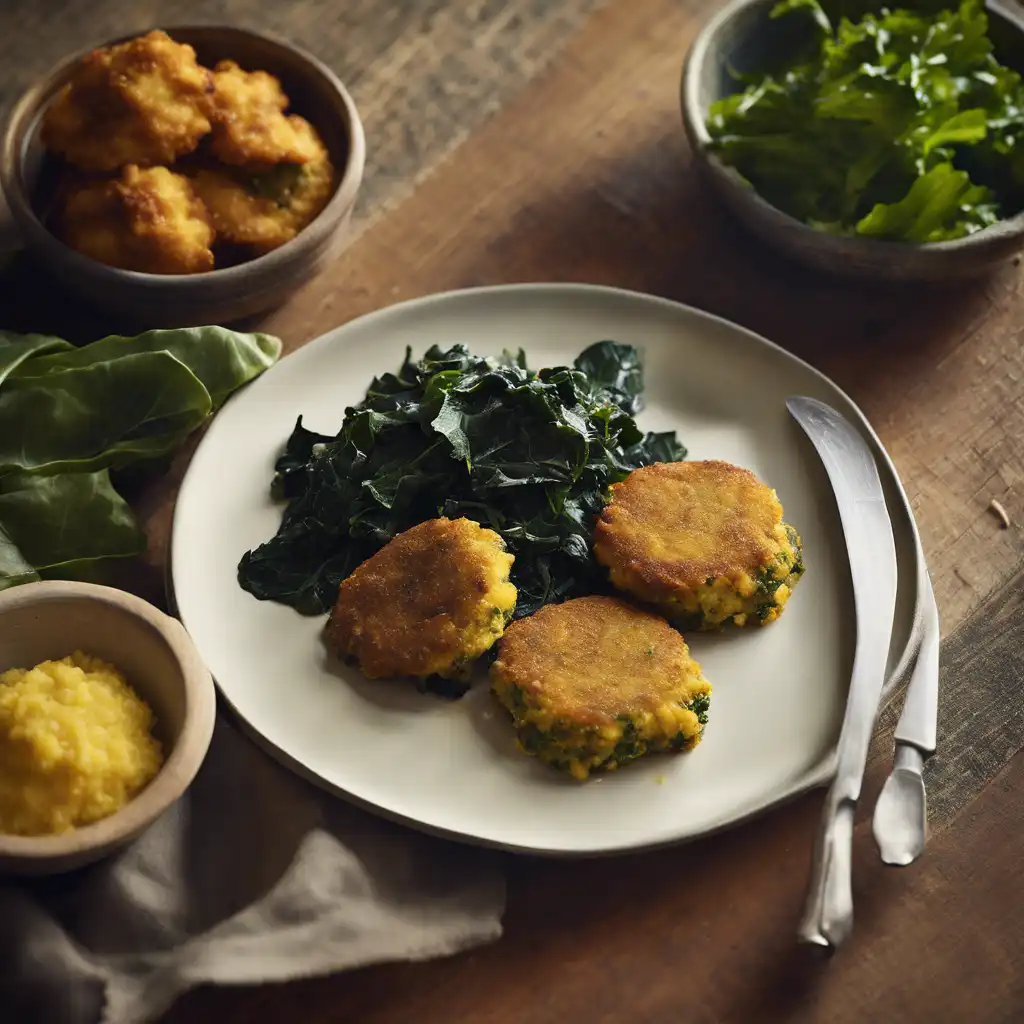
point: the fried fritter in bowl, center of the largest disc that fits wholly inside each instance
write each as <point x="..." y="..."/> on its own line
<point x="148" y="220"/>
<point x="265" y="210"/>
<point x="143" y="102"/>
<point x="430" y="602"/>
<point x="250" y="127"/>
<point x="594" y="682"/>
<point x="705" y="542"/>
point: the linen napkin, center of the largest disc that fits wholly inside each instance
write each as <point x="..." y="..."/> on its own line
<point x="254" y="876"/>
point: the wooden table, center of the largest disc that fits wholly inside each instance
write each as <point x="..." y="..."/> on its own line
<point x="539" y="140"/>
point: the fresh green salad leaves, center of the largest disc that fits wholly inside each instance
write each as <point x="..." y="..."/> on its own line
<point x="529" y="454"/>
<point x="901" y="124"/>
<point x="70" y="417"/>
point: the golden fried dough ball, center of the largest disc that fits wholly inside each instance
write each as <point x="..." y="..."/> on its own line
<point x="430" y="602"/>
<point x="703" y="541"/>
<point x="143" y="102"/>
<point x="249" y="123"/>
<point x="594" y="682"/>
<point x="148" y="220"/>
<point x="266" y="210"/>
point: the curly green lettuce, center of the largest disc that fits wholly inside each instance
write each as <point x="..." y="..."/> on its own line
<point x="891" y="124"/>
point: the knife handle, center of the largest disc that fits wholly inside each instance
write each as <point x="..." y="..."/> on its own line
<point x="828" y="913"/>
<point x="918" y="722"/>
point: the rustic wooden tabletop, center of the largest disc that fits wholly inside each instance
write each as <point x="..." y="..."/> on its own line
<point x="540" y="140"/>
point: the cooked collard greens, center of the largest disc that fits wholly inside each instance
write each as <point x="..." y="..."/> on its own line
<point x="528" y="453"/>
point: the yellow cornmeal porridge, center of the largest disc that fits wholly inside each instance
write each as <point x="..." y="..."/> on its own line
<point x="76" y="745"/>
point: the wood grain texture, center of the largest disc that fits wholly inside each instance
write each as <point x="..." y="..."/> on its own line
<point x="585" y="176"/>
<point x="981" y="714"/>
<point x="423" y="73"/>
<point x="703" y="933"/>
<point x="600" y="189"/>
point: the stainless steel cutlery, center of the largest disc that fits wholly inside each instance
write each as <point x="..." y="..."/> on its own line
<point x="850" y="465"/>
<point x="900" y="823"/>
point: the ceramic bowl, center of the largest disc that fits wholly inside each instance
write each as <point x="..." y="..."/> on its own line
<point x="219" y="296"/>
<point x="742" y="37"/>
<point x="40" y="621"/>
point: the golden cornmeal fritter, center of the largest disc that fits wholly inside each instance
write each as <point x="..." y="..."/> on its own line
<point x="147" y="220"/>
<point x="268" y="209"/>
<point x="703" y="541"/>
<point x="249" y="123"/>
<point x="146" y="101"/>
<point x="595" y="682"/>
<point x="430" y="602"/>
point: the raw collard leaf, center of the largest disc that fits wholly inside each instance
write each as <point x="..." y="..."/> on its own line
<point x="222" y="360"/>
<point x="103" y="414"/>
<point x="14" y="568"/>
<point x="15" y="349"/>
<point x="70" y="415"/>
<point x="529" y="454"/>
<point x="62" y="525"/>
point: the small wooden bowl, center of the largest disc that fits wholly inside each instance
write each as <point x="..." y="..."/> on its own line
<point x="741" y="37"/>
<point x="219" y="296"/>
<point x="40" y="621"/>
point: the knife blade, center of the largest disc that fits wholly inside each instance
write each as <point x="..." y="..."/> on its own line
<point x="900" y="821"/>
<point x="850" y="465"/>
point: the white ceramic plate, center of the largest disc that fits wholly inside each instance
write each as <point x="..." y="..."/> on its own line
<point x="779" y="693"/>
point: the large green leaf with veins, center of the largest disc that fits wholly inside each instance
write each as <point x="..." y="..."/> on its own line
<point x="61" y="524"/>
<point x="71" y="416"/>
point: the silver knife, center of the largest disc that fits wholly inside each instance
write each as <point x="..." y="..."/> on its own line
<point x="900" y="823"/>
<point x="828" y="912"/>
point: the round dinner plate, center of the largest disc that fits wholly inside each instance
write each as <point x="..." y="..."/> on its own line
<point x="451" y="767"/>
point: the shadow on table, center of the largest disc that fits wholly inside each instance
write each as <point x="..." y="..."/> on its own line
<point x="648" y="223"/>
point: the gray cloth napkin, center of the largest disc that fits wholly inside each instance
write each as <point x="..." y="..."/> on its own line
<point x="254" y="876"/>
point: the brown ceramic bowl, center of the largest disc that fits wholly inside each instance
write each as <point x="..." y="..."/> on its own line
<point x="219" y="296"/>
<point x="40" y="621"/>
<point x="741" y="37"/>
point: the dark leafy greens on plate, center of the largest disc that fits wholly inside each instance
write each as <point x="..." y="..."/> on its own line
<point x="71" y="417"/>
<point x="528" y="453"/>
<point x="893" y="123"/>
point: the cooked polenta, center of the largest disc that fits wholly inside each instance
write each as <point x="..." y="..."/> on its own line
<point x="76" y="745"/>
<point x="595" y="682"/>
<point x="705" y="542"/>
<point x="429" y="603"/>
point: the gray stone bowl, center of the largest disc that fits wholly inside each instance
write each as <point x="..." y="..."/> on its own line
<point x="741" y="36"/>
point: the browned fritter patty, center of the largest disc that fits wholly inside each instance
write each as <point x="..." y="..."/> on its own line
<point x="704" y="541"/>
<point x="430" y="602"/>
<point x="250" y="127"/>
<point x="146" y="101"/>
<point x="595" y="682"/>
<point x="148" y="220"/>
<point x="267" y="209"/>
